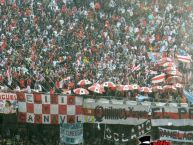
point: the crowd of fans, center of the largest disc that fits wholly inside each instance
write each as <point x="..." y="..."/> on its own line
<point x="50" y="45"/>
<point x="29" y="135"/>
<point x="54" y="44"/>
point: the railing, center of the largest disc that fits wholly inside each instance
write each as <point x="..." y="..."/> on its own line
<point x="117" y="99"/>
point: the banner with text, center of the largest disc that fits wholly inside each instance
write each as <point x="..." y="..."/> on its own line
<point x="124" y="133"/>
<point x="71" y="133"/>
<point x="175" y="135"/>
<point x="8" y="103"/>
<point x="133" y="114"/>
<point x="49" y="108"/>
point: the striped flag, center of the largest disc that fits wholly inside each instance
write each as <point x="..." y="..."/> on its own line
<point x="164" y="60"/>
<point x="136" y="68"/>
<point x="159" y="78"/>
<point x="169" y="64"/>
<point x="172" y="68"/>
<point x="174" y="72"/>
<point x="186" y="59"/>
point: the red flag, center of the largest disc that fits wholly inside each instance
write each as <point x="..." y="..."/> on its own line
<point x="158" y="78"/>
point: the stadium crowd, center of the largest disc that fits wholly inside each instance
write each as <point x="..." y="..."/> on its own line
<point x="29" y="135"/>
<point x="52" y="45"/>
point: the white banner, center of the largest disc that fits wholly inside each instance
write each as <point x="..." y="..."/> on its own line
<point x="175" y="135"/>
<point x="134" y="114"/>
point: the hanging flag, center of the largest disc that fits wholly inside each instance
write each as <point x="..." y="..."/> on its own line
<point x="159" y="78"/>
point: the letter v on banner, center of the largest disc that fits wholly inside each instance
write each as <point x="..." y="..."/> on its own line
<point x="62" y="119"/>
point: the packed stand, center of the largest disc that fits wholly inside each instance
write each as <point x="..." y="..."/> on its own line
<point x="29" y="136"/>
<point x="51" y="45"/>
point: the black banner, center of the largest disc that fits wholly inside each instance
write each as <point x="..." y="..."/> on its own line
<point x="126" y="133"/>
